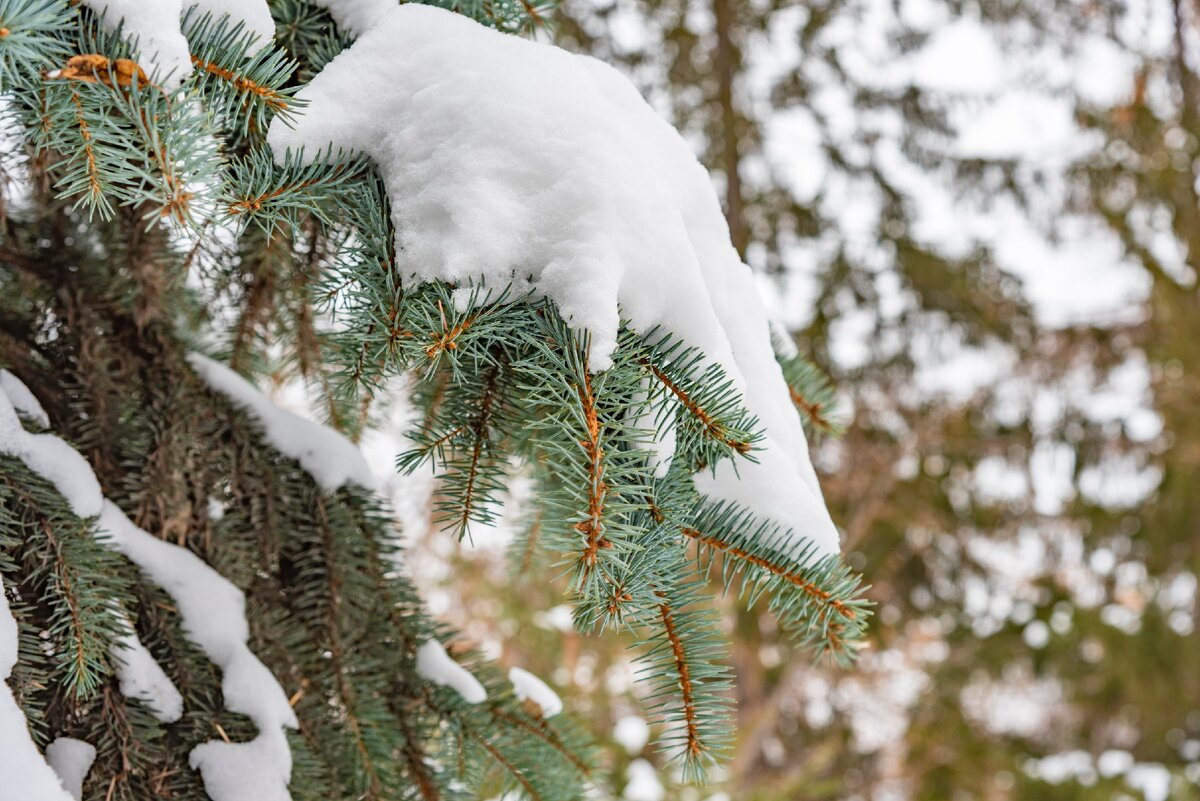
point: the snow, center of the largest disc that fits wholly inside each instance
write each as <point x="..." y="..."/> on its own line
<point x="71" y="759"/>
<point x="642" y="783"/>
<point x="26" y="774"/>
<point x="529" y="687"/>
<point x="216" y="510"/>
<point x="213" y="617"/>
<point x="213" y="613"/>
<point x="142" y="678"/>
<point x="254" y="15"/>
<point x="51" y="458"/>
<point x="155" y="27"/>
<point x="556" y="618"/>
<point x="616" y="219"/>
<point x="632" y="732"/>
<point x="22" y="399"/>
<point x="257" y="770"/>
<point x="161" y="46"/>
<point x="332" y="460"/>
<point x="435" y="665"/>
<point x="356" y="16"/>
<point x="1151" y="779"/>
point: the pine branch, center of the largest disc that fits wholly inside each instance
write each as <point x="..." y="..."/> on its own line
<point x="514" y="771"/>
<point x="684" y="665"/>
<point x="711" y="427"/>
<point x="592" y="527"/>
<point x="259" y="192"/>
<point x="471" y="496"/>
<point x="337" y="655"/>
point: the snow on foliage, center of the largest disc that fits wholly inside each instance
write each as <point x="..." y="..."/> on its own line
<point x="331" y="459"/>
<point x="24" y="401"/>
<point x="435" y="665"/>
<point x="141" y="677"/>
<point x="71" y="759"/>
<point x="25" y="773"/>
<point x="512" y="162"/>
<point x="52" y="459"/>
<point x="213" y="613"/>
<point x="642" y="782"/>
<point x="529" y="687"/>
<point x="155" y="29"/>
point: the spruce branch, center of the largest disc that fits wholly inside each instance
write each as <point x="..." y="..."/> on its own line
<point x="813" y="395"/>
<point x="684" y="665"/>
<point x="31" y="40"/>
<point x="244" y="91"/>
<point x="259" y="192"/>
<point x="818" y="600"/>
<point x="714" y="423"/>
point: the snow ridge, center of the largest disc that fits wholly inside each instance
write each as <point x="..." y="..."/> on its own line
<point x="512" y="162"/>
<point x="24" y="401"/>
<point x="141" y="677"/>
<point x="435" y="665"/>
<point x="332" y="460"/>
<point x="51" y="458"/>
<point x="356" y="17"/>
<point x="527" y="686"/>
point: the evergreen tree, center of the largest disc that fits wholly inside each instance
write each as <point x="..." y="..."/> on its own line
<point x="207" y="600"/>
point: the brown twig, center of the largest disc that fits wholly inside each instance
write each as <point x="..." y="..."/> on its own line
<point x="694" y="746"/>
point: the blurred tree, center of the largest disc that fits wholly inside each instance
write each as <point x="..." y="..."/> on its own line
<point x="1018" y="487"/>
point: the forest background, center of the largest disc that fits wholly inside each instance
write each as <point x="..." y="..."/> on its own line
<point x="982" y="219"/>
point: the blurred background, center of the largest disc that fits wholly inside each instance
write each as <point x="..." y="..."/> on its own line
<point x="982" y="219"/>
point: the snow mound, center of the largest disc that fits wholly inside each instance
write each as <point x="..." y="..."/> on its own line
<point x="155" y="26"/>
<point x="71" y="759"/>
<point x="332" y="460"/>
<point x="435" y="665"/>
<point x="508" y="161"/>
<point x="141" y="677"/>
<point x="529" y="687"/>
<point x="24" y="401"/>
